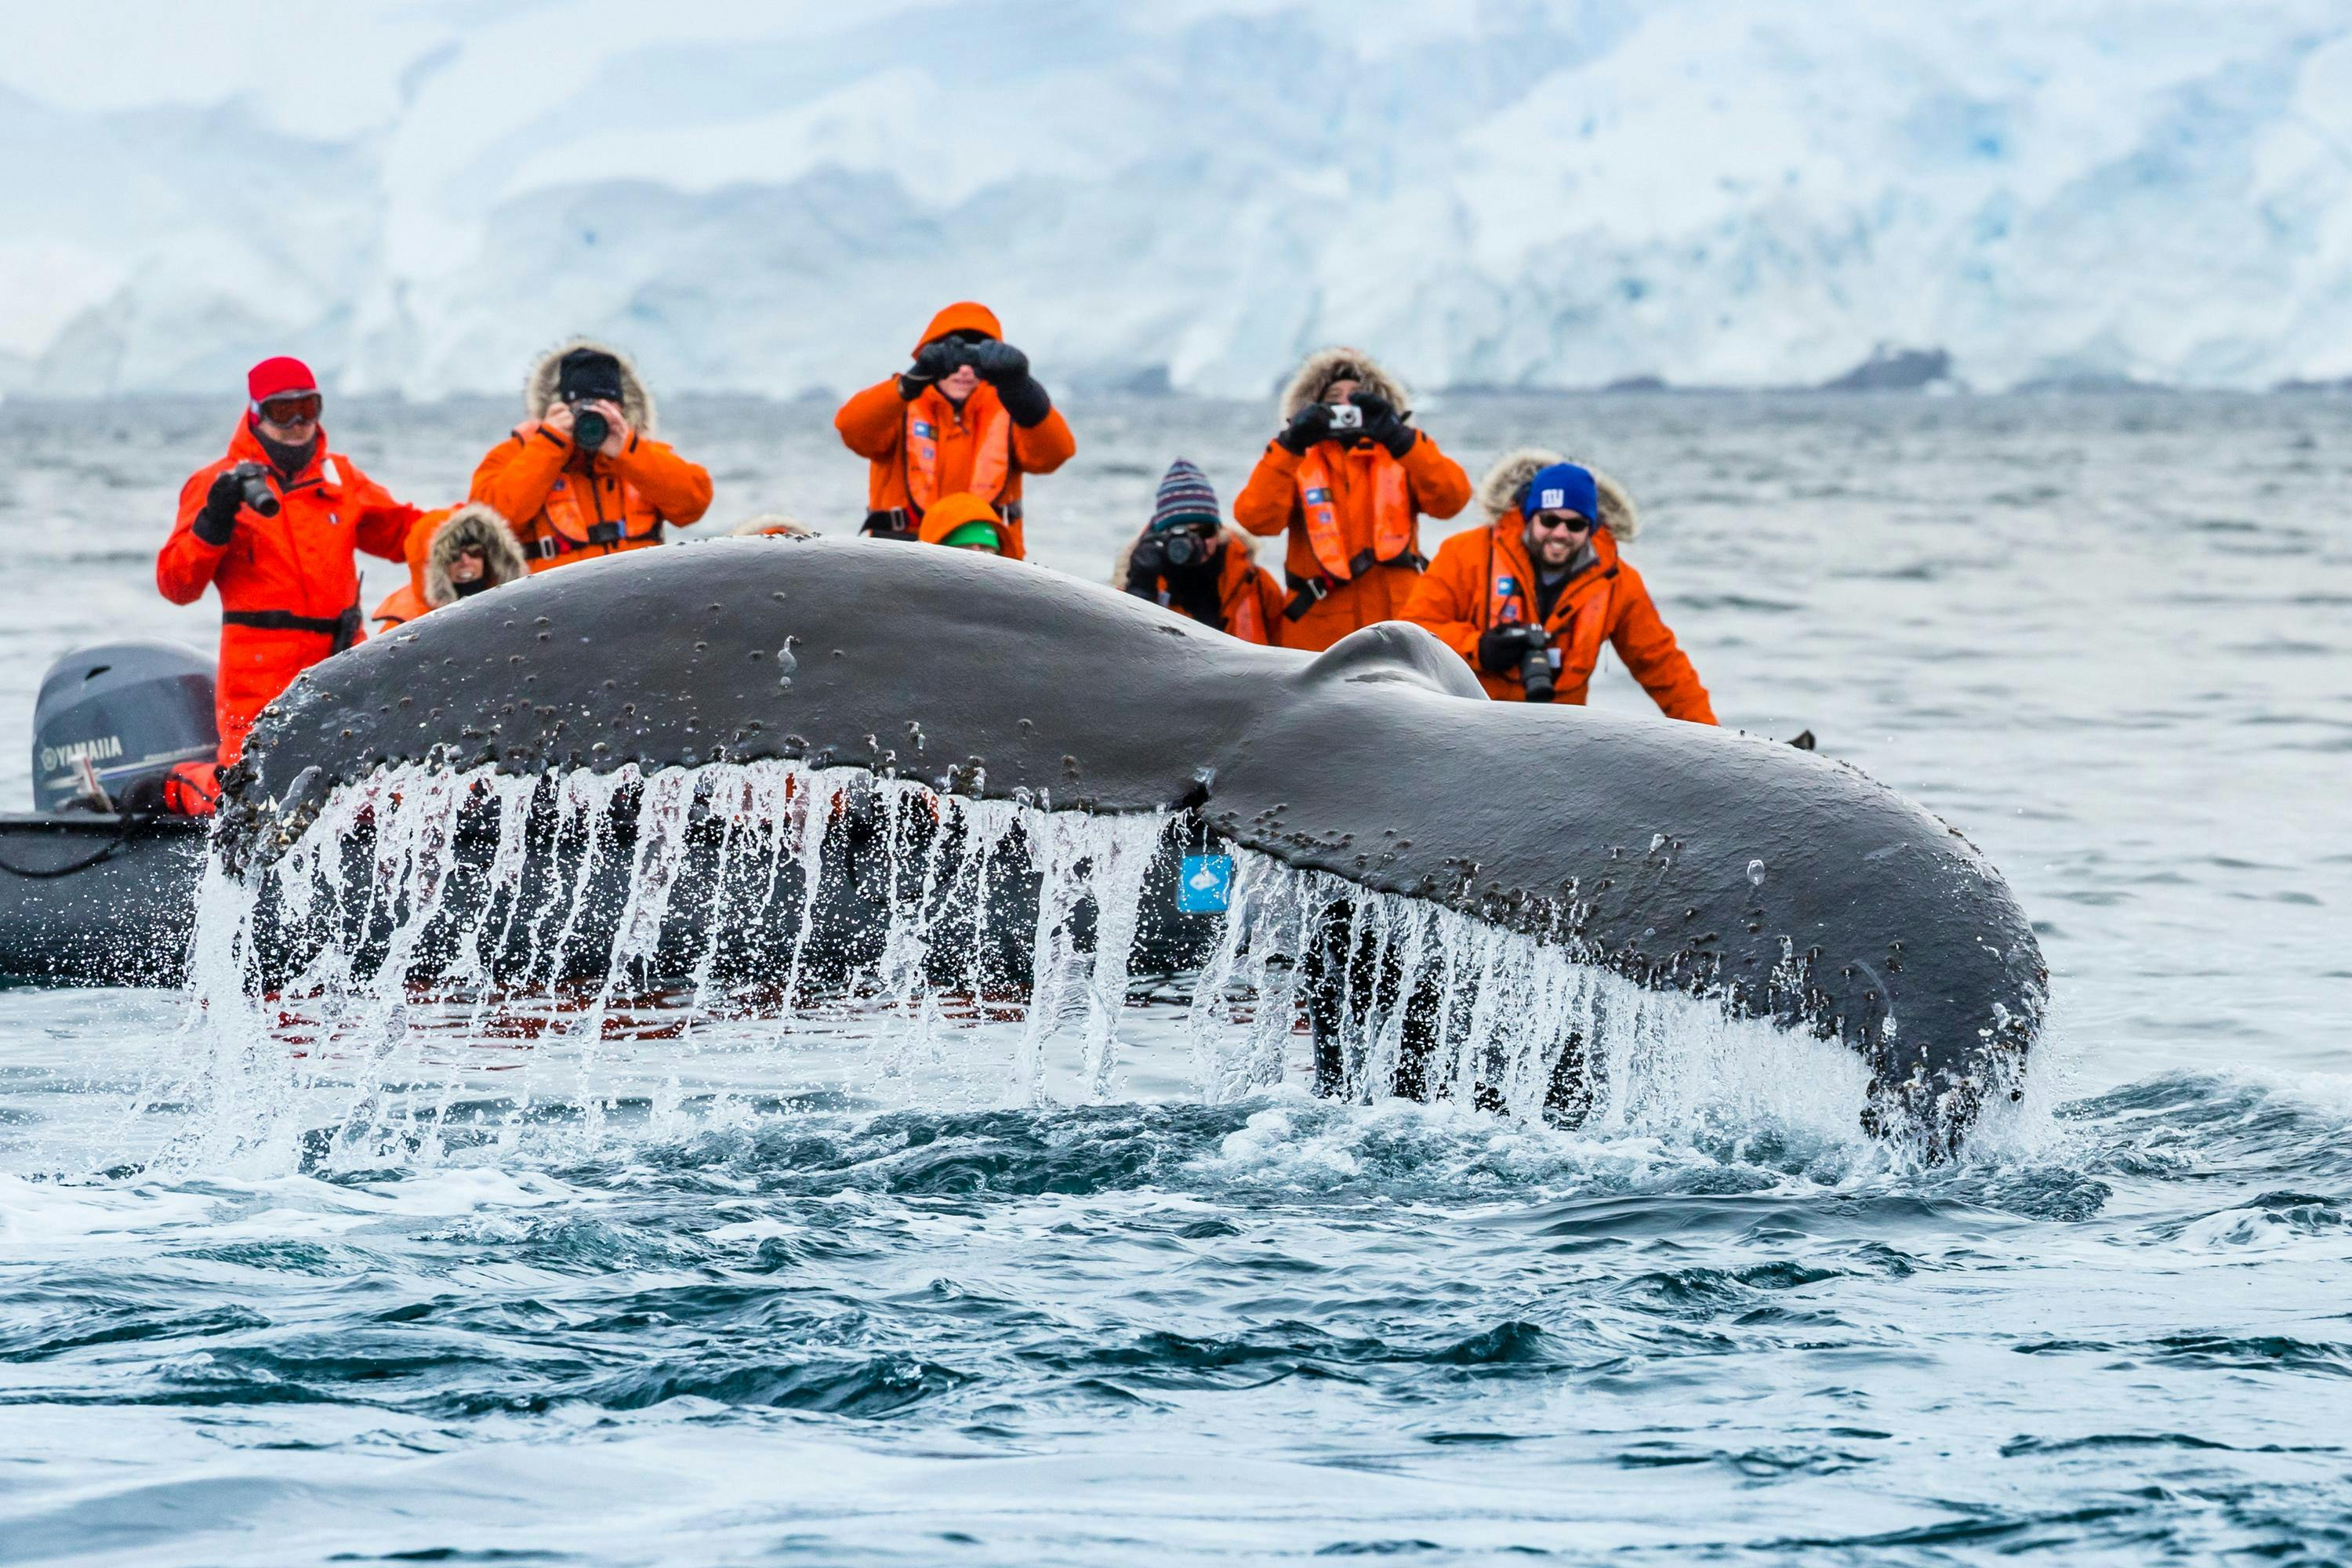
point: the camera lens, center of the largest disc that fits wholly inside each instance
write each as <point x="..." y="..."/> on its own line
<point x="1151" y="555"/>
<point x="1535" y="668"/>
<point x="589" y="429"/>
<point x="260" y="496"/>
<point x="1183" y="549"/>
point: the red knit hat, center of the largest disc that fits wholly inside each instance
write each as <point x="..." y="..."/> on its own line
<point x="281" y="378"/>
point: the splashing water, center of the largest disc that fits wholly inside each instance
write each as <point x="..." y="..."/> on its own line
<point x="816" y="1292"/>
<point x="428" y="929"/>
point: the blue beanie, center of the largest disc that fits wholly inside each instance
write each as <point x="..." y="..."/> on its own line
<point x="1564" y="487"/>
<point x="1185" y="496"/>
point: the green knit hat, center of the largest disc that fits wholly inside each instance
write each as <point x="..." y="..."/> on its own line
<point x="971" y="533"/>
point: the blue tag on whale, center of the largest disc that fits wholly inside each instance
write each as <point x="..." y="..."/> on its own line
<point x="1204" y="886"/>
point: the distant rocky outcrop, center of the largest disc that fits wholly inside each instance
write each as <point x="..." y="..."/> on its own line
<point x="1892" y="369"/>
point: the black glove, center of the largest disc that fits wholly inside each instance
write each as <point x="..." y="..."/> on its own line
<point x="935" y="361"/>
<point x="1383" y="424"/>
<point x="998" y="363"/>
<point x="217" y="522"/>
<point x="1308" y="425"/>
<point x="1500" y="649"/>
<point x="1026" y="400"/>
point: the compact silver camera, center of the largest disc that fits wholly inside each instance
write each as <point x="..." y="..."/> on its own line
<point x="1347" y="417"/>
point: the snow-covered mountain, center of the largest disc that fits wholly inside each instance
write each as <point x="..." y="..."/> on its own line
<point x="772" y="198"/>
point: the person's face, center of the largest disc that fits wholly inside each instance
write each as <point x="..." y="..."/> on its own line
<point x="1554" y="537"/>
<point x="960" y="385"/>
<point x="469" y="565"/>
<point x="289" y="421"/>
<point x="1339" y="391"/>
<point x="979" y="549"/>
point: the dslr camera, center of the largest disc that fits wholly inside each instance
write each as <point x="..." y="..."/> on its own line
<point x="1177" y="549"/>
<point x="589" y="428"/>
<point x="1535" y="664"/>
<point x="1535" y="668"/>
<point x="255" y="490"/>
<point x="256" y="493"/>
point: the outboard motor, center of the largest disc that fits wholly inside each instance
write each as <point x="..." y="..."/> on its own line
<point x="132" y="711"/>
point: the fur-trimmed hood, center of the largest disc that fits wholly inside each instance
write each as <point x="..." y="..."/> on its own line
<point x="1321" y="369"/>
<point x="502" y="558"/>
<point x="1228" y="536"/>
<point x="773" y="523"/>
<point x="1506" y="481"/>
<point x="539" y="387"/>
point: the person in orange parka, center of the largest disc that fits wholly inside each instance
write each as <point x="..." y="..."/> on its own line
<point x="1188" y="561"/>
<point x="964" y="522"/>
<point x="965" y="417"/>
<point x="1545" y="575"/>
<point x="1349" y="496"/>
<point x="566" y="504"/>
<point x="272" y="527"/>
<point x="452" y="553"/>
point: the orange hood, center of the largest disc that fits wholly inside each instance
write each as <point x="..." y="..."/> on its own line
<point x="951" y="513"/>
<point x="963" y="316"/>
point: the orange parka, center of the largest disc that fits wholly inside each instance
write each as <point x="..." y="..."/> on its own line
<point x="289" y="587"/>
<point x="1247" y="595"/>
<point x="920" y="451"/>
<point x="1375" y="503"/>
<point x="434" y="541"/>
<point x="1483" y="579"/>
<point x="566" y="505"/>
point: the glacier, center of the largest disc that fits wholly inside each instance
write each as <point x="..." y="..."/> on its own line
<point x="772" y="199"/>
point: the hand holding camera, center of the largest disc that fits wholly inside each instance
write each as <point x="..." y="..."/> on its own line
<point x="245" y="485"/>
<point x="1522" y="650"/>
<point x="1309" y="426"/>
<point x="1382" y="423"/>
<point x="1174" y="549"/>
<point x="998" y="361"/>
<point x="934" y="363"/>
<point x="590" y="424"/>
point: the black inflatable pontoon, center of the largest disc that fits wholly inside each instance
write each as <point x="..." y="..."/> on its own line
<point x="97" y="885"/>
<point x="97" y="898"/>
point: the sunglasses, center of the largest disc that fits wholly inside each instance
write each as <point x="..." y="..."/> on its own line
<point x="1566" y="522"/>
<point x="296" y="410"/>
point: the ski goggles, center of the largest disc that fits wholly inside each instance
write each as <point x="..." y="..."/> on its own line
<point x="290" y="408"/>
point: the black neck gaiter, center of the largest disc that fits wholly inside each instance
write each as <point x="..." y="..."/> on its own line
<point x="287" y="460"/>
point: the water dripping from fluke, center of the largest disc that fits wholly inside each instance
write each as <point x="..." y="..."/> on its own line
<point x="427" y="929"/>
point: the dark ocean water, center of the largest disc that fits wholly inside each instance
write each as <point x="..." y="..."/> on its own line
<point x="763" y="1294"/>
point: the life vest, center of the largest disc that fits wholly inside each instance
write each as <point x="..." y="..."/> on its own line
<point x="991" y="463"/>
<point x="1392" y="515"/>
<point x="571" y="513"/>
<point x="1243" y="619"/>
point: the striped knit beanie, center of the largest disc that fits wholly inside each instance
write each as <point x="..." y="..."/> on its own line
<point x="1185" y="497"/>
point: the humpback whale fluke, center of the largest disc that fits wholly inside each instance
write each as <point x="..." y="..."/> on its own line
<point x="1777" y="882"/>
